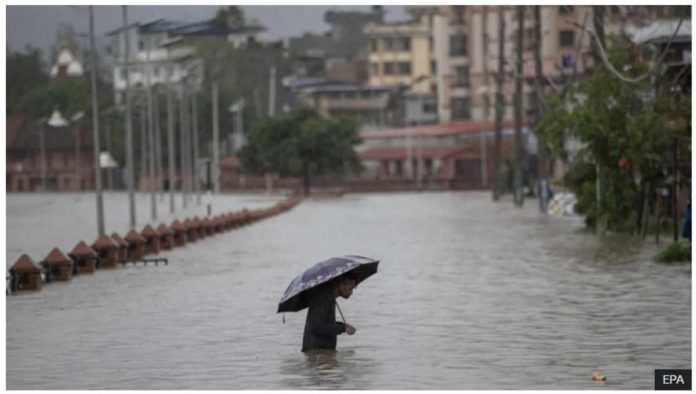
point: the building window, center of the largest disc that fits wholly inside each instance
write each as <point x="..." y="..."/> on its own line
<point x="433" y="67"/>
<point x="402" y="44"/>
<point x="373" y="45"/>
<point x="141" y="45"/>
<point x="374" y="68"/>
<point x="459" y="15"/>
<point x="461" y="76"/>
<point x="404" y="68"/>
<point x="388" y="44"/>
<point x="565" y="9"/>
<point x="389" y="68"/>
<point x="461" y="108"/>
<point x="567" y="38"/>
<point x="429" y="108"/>
<point x="458" y="45"/>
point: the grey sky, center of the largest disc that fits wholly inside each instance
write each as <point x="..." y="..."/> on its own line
<point x="37" y="25"/>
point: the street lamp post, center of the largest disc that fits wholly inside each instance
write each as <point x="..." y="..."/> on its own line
<point x="95" y="120"/>
<point x="78" y="170"/>
<point x="129" y="124"/>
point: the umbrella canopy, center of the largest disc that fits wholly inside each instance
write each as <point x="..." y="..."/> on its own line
<point x="359" y="266"/>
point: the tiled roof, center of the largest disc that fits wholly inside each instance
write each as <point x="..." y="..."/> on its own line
<point x="104" y="242"/>
<point x="426" y="152"/>
<point x="25" y="264"/>
<point x="134" y="237"/>
<point x="459" y="127"/>
<point x="56" y="257"/>
<point x="117" y="238"/>
<point x="82" y="250"/>
<point x="149" y="232"/>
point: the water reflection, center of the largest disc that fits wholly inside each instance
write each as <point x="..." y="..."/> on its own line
<point x="469" y="295"/>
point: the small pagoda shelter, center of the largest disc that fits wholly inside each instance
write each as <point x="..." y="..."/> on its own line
<point x="122" y="247"/>
<point x="151" y="240"/>
<point x="179" y="233"/>
<point x="25" y="275"/>
<point x="57" y="265"/>
<point x="166" y="237"/>
<point x="107" y="251"/>
<point x="84" y="258"/>
<point x="136" y="245"/>
<point x="191" y="232"/>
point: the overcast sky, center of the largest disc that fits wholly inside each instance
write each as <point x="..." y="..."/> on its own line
<point x="37" y="25"/>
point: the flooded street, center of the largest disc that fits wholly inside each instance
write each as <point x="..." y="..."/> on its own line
<point x="469" y="295"/>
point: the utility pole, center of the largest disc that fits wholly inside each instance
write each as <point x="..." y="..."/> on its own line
<point x="143" y="142"/>
<point x="150" y="134"/>
<point x="215" y="170"/>
<point x="42" y="148"/>
<point x="271" y="92"/>
<point x="158" y="146"/>
<point x="129" y="124"/>
<point x="95" y="125"/>
<point x="271" y="112"/>
<point x="107" y="131"/>
<point x="519" y="197"/>
<point x="484" y="97"/>
<point x="182" y="130"/>
<point x="499" y="105"/>
<point x="541" y="143"/>
<point x="170" y="140"/>
<point x="196" y="186"/>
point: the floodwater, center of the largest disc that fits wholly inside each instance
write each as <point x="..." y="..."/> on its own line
<point x="469" y="295"/>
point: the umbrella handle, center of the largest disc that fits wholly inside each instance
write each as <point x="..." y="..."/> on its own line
<point x="339" y="311"/>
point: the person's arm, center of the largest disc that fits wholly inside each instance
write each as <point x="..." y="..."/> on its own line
<point x="318" y="313"/>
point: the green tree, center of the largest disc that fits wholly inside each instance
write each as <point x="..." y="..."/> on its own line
<point x="233" y="16"/>
<point x="302" y="143"/>
<point x="621" y="128"/>
<point x="25" y="72"/>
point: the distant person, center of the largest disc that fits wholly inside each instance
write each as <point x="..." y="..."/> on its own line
<point x="321" y="327"/>
<point x="686" y="230"/>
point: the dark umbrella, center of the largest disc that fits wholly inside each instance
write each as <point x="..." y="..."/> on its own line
<point x="359" y="266"/>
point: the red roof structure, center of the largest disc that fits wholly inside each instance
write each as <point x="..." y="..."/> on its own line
<point x="83" y="250"/>
<point x="104" y="242"/>
<point x="119" y="241"/>
<point x="25" y="264"/>
<point x="134" y="237"/>
<point x="440" y="129"/>
<point x="426" y="152"/>
<point x="56" y="257"/>
<point x="149" y="232"/>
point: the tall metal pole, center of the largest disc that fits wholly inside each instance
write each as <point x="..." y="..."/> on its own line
<point x="196" y="186"/>
<point x="150" y="134"/>
<point x="129" y="125"/>
<point x="170" y="140"/>
<point x="486" y="109"/>
<point x="519" y="197"/>
<point x="158" y="146"/>
<point x="143" y="143"/>
<point x="107" y="132"/>
<point x="541" y="145"/>
<point x="216" y="140"/>
<point x="78" y="170"/>
<point x="271" y="92"/>
<point x="182" y="138"/>
<point x="42" y="148"/>
<point x="95" y="125"/>
<point x="499" y="106"/>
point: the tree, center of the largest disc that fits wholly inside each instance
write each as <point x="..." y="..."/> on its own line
<point x="302" y="143"/>
<point x="232" y="16"/>
<point x="621" y="128"/>
<point x="24" y="73"/>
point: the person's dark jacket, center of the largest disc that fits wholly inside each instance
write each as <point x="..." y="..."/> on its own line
<point x="321" y="327"/>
